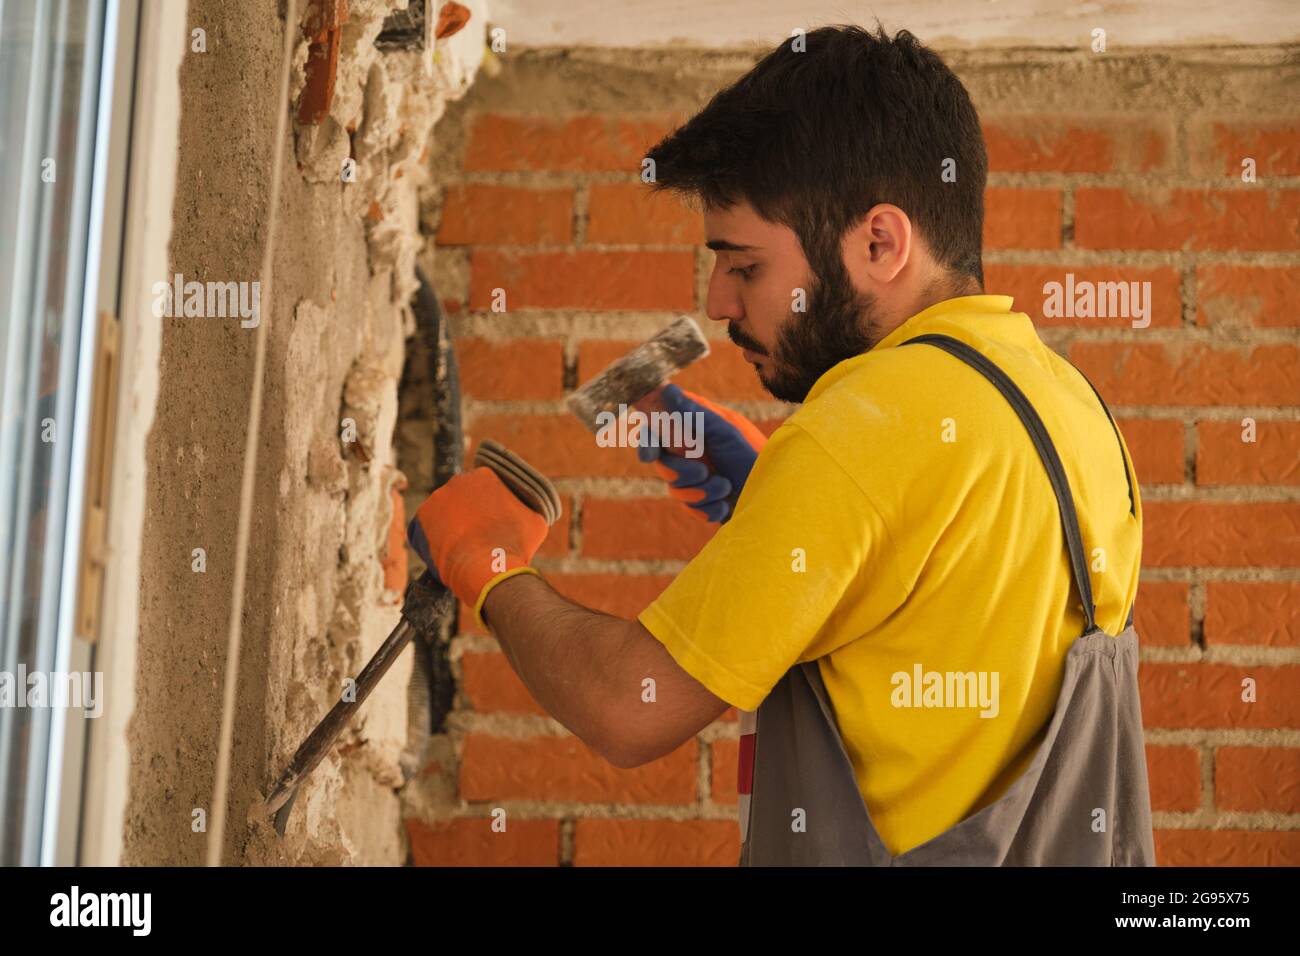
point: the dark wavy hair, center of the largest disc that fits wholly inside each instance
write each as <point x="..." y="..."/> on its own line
<point x="814" y="139"/>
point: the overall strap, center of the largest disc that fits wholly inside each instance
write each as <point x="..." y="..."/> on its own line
<point x="1046" y="451"/>
<point x="1128" y="476"/>
<point x="1123" y="459"/>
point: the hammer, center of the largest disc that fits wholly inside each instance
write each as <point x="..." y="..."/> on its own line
<point x="638" y="377"/>
<point x="426" y="601"/>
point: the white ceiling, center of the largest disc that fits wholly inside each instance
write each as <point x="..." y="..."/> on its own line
<point x="941" y="23"/>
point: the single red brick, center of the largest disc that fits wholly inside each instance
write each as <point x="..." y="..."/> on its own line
<point x="556" y="445"/>
<point x="1022" y="218"/>
<point x="1253" y="612"/>
<point x="1040" y="143"/>
<point x="587" y="143"/>
<point x="1026" y="284"/>
<point x="563" y="768"/>
<point x="631" y="213"/>
<point x="726" y="767"/>
<point x="491" y="684"/>
<point x="656" y="843"/>
<point x="1161" y="614"/>
<point x="1188" y="696"/>
<point x="642" y="528"/>
<point x="472" y="842"/>
<point x="1259" y="296"/>
<point x="481" y="214"/>
<point x="582" y="279"/>
<point x="1175" y="777"/>
<point x="510" y="369"/>
<point x="1257" y="779"/>
<point x="1220" y="148"/>
<point x="723" y="376"/>
<point x="1190" y="373"/>
<point x="1227" y="848"/>
<point x="1221" y="534"/>
<point x="1109" y="218"/>
<point x="1156" y="446"/>
<point x="1273" y="458"/>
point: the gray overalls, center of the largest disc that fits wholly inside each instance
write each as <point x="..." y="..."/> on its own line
<point x="1083" y="801"/>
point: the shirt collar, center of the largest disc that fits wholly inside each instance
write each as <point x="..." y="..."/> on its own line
<point x="961" y="304"/>
<point x="916" y="325"/>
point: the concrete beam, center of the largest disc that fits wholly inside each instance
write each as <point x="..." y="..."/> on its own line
<point x="951" y="24"/>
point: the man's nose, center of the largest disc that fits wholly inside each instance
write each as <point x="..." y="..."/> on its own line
<point x="722" y="304"/>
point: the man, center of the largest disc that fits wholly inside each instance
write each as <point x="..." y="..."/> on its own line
<point x="898" y="594"/>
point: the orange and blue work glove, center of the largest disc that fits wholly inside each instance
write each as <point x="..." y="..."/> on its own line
<point x="473" y="533"/>
<point x="731" y="443"/>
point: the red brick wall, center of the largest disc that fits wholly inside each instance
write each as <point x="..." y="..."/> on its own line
<point x="548" y="207"/>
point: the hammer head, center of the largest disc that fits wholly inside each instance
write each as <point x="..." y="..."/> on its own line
<point x="639" y="372"/>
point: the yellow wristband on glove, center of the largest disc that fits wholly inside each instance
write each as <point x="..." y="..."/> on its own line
<point x="482" y="597"/>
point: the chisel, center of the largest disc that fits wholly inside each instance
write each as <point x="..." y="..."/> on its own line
<point x="426" y="601"/>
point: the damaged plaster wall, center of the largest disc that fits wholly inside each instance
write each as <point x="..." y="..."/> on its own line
<point x="316" y="606"/>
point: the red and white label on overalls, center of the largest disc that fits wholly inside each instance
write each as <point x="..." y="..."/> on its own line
<point x="745" y="768"/>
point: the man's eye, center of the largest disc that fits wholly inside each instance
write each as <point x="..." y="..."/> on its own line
<point x="744" y="273"/>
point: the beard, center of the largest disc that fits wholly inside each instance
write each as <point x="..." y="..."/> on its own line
<point x="840" y="323"/>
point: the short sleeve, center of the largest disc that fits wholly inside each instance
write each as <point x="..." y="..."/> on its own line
<point x="799" y="569"/>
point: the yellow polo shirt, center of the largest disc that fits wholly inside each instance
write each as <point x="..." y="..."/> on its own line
<point x="900" y="524"/>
